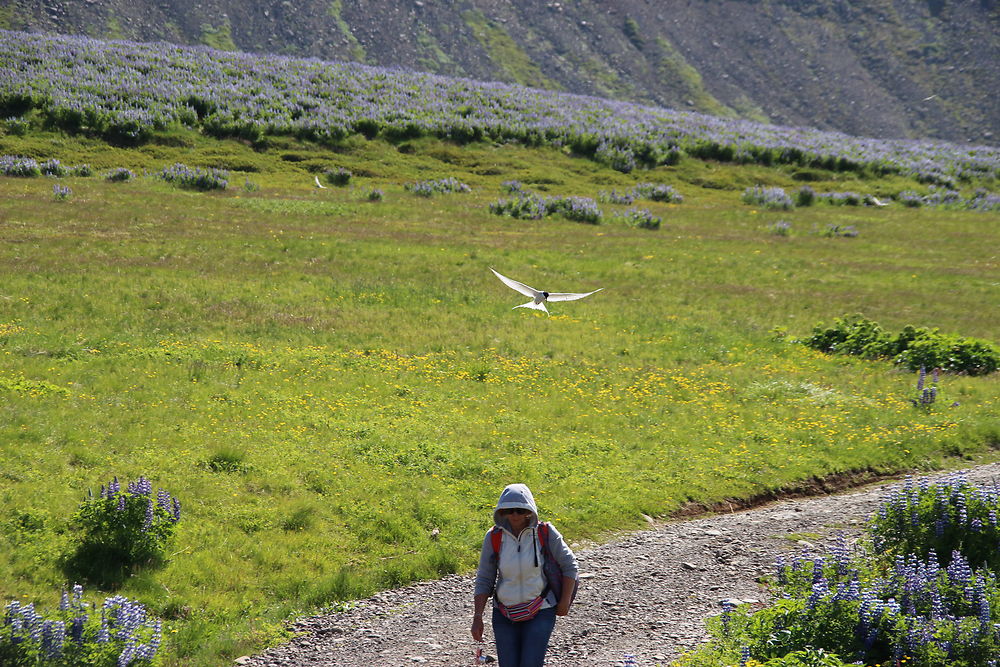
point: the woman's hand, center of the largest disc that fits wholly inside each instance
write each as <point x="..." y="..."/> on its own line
<point x="477" y="627"/>
<point x="562" y="609"/>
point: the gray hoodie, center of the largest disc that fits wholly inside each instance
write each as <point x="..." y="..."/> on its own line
<point x="517" y="575"/>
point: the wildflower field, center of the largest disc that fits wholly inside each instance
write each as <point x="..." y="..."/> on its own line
<point x="334" y="386"/>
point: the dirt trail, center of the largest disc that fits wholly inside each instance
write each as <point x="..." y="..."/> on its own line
<point x="646" y="594"/>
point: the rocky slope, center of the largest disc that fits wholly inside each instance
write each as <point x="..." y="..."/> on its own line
<point x="646" y="594"/>
<point x="887" y="68"/>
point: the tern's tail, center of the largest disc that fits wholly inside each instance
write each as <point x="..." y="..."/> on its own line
<point x="534" y="306"/>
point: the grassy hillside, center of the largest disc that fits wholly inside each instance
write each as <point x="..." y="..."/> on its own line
<point x="336" y="389"/>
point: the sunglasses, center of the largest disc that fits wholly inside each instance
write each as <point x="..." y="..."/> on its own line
<point x="516" y="510"/>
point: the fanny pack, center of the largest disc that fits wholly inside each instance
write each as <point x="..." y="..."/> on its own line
<point x="524" y="611"/>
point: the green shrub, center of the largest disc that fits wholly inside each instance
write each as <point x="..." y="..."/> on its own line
<point x="122" y="529"/>
<point x="930" y="349"/>
<point x="805" y="196"/>
<point x="912" y="348"/>
<point x="339" y="176"/>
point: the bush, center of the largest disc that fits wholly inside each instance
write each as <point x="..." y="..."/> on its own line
<point x="61" y="192"/>
<point x="930" y="349"/>
<point x="805" y="196"/>
<point x="17" y="126"/>
<point x="122" y="529"/>
<point x="340" y="176"/>
<point x="911" y="348"/>
<point x="619" y="158"/>
<point x="939" y="520"/>
<point x="375" y="195"/>
<point x="118" y="633"/>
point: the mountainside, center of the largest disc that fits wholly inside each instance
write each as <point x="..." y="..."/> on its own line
<point x="887" y="68"/>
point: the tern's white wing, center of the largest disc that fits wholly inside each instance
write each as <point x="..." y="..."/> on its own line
<point x="516" y="286"/>
<point x="570" y="296"/>
<point x="535" y="306"/>
<point x="319" y="185"/>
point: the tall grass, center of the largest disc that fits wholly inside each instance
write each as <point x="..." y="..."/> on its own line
<point x="336" y="391"/>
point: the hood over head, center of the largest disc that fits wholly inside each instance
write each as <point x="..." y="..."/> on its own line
<point x="514" y="496"/>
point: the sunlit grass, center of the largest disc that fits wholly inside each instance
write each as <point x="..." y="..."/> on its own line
<point x="323" y="381"/>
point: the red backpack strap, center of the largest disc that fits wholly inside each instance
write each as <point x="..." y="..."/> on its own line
<point x="496" y="537"/>
<point x="543" y="535"/>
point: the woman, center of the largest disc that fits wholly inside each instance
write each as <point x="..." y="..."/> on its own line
<point x="524" y="605"/>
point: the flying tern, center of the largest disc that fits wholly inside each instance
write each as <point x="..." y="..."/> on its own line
<point x="320" y="185"/>
<point x="539" y="297"/>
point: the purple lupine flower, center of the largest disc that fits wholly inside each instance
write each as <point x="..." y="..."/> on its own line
<point x="121" y="503"/>
<point x="53" y="635"/>
<point x="177" y="510"/>
<point x="76" y="628"/>
<point x="114" y="487"/>
<point x="148" y="521"/>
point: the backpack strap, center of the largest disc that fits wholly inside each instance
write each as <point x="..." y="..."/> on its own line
<point x="543" y="535"/>
<point x="496" y="537"/>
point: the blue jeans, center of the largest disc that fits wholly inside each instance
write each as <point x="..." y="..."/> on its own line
<point x="523" y="644"/>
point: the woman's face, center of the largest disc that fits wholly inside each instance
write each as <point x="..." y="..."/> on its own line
<point x="518" y="519"/>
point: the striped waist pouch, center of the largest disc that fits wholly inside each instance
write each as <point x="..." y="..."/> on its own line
<point x="524" y="611"/>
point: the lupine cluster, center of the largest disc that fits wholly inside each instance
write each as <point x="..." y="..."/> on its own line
<point x="940" y="518"/>
<point x="578" y="209"/>
<point x="981" y="200"/>
<point x="528" y="205"/>
<point x="926" y="395"/>
<point x="61" y="192"/>
<point x="652" y="191"/>
<point x="440" y="186"/>
<point x="922" y="591"/>
<point x="842" y="198"/>
<point x="781" y="228"/>
<point x="17" y="126"/>
<point x="15" y="165"/>
<point x="525" y="205"/>
<point x="127" y="527"/>
<point x="641" y="218"/>
<point x="195" y="178"/>
<point x="119" y="175"/>
<point x="127" y="91"/>
<point x="657" y="192"/>
<point x="767" y="197"/>
<point x="375" y="195"/>
<point x="117" y="634"/>
<point x="615" y="197"/>
<point x="843" y="231"/>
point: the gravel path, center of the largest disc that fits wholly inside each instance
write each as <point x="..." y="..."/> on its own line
<point x="645" y="594"/>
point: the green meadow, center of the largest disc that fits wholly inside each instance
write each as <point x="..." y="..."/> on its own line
<point x="337" y="389"/>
